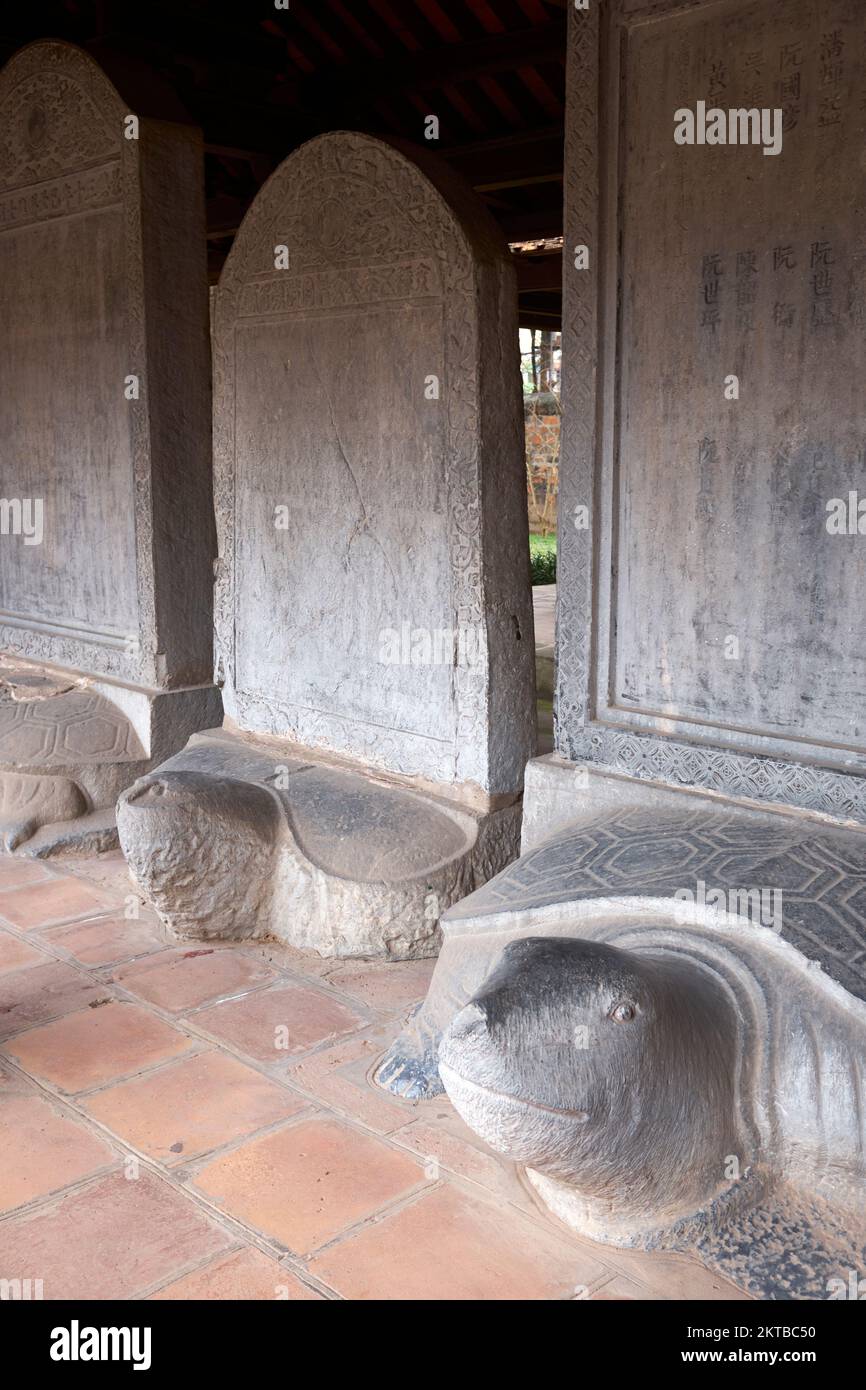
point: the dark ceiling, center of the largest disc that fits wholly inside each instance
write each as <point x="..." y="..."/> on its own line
<point x="260" y="80"/>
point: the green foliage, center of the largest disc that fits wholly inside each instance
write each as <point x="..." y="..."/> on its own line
<point x="542" y="557"/>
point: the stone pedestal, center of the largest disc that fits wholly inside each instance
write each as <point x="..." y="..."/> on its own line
<point x="247" y="837"/>
<point x="373" y="602"/>
<point x="107" y="531"/>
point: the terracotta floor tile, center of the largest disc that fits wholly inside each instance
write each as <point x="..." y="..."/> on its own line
<point x="19" y="873"/>
<point x="305" y="1184"/>
<point x="42" y="1151"/>
<point x="619" y="1289"/>
<point x="338" y="1076"/>
<point x="96" y="1045"/>
<point x="665" y="1275"/>
<point x="246" y="1275"/>
<point x="107" y="940"/>
<point x="31" y="997"/>
<point x="393" y="986"/>
<point x="445" y="1145"/>
<point x="55" y="900"/>
<point x="11" y="1082"/>
<point x="113" y="1239"/>
<point x="15" y="953"/>
<point x="445" y="1246"/>
<point x="300" y="962"/>
<point x="187" y="976"/>
<point x="109" y="870"/>
<point x="192" y="1106"/>
<point x="275" y="1023"/>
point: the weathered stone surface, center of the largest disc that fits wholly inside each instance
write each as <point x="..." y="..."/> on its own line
<point x="28" y="803"/>
<point x="104" y="433"/>
<point x="561" y="794"/>
<point x="711" y="627"/>
<point x="73" y="725"/>
<point x="663" y="1083"/>
<point x="231" y="839"/>
<point x="373" y="596"/>
<point x="69" y="745"/>
<point x="646" y="856"/>
<point x="736" y="1039"/>
<point x="419" y="517"/>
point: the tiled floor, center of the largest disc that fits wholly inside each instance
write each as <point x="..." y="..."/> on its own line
<point x="197" y="1121"/>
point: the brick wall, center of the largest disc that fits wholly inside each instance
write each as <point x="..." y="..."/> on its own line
<point x="541" y="420"/>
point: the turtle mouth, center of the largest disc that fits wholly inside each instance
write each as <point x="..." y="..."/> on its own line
<point x="446" y="1072"/>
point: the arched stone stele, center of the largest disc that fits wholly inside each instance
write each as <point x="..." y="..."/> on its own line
<point x="372" y="598"/>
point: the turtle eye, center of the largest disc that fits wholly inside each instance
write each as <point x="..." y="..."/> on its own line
<point x="622" y="1013"/>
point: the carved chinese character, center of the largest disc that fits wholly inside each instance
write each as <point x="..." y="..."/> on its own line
<point x="822" y="283"/>
<point x="822" y="254"/>
<point x="790" y="56"/>
<point x="746" y="292"/>
<point x="822" y="314"/>
<point x="830" y="110"/>
<point x="832" y="45"/>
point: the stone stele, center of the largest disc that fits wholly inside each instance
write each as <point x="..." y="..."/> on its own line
<point x="106" y="537"/>
<point x="711" y="630"/>
<point x="373" y="602"/>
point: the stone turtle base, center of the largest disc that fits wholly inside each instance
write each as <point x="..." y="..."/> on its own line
<point x="239" y="837"/>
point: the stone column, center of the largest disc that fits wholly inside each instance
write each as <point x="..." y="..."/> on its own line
<point x="107" y="526"/>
